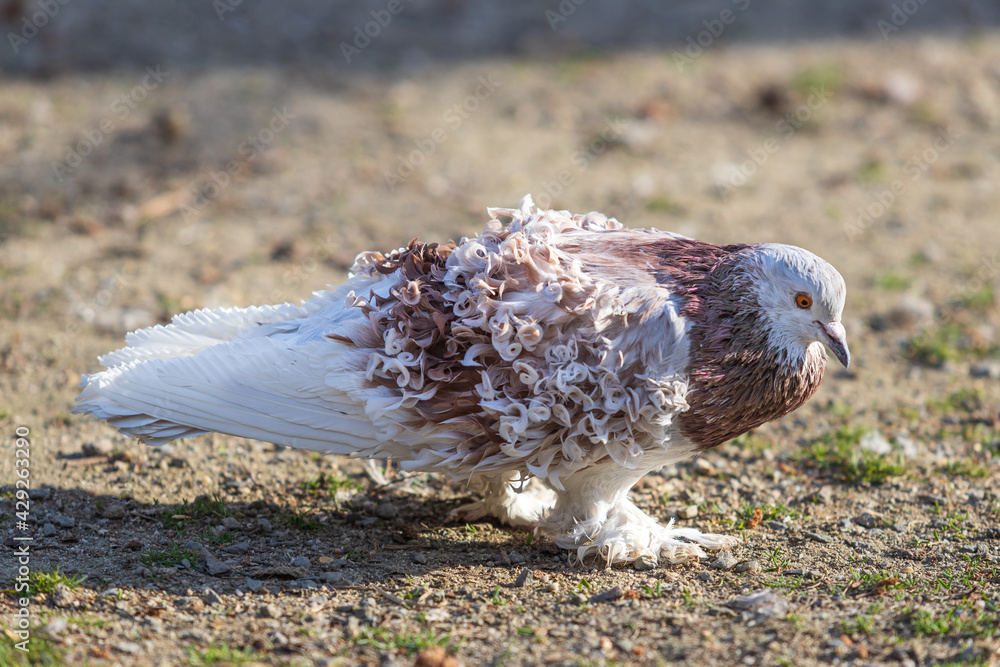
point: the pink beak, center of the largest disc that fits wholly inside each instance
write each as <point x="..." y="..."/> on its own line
<point x="835" y="337"/>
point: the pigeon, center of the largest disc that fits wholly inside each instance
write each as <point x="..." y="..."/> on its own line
<point x="550" y="362"/>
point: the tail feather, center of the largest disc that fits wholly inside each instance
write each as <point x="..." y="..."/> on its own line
<point x="264" y="372"/>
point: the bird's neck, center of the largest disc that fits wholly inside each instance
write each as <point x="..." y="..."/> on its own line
<point x="737" y="378"/>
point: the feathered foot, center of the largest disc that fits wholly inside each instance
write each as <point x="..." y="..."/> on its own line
<point x="502" y="500"/>
<point x="614" y="529"/>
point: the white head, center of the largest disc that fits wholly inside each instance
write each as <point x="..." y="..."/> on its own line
<point x="803" y="297"/>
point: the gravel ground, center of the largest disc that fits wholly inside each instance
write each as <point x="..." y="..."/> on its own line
<point x="870" y="518"/>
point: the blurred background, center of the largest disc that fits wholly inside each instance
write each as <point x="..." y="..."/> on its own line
<point x="159" y="157"/>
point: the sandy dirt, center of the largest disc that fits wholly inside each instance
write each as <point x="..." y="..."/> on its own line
<point x="129" y="195"/>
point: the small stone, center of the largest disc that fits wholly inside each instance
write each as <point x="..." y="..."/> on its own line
<point x="820" y="537"/>
<point x="133" y="545"/>
<point x="766" y="604"/>
<point x="231" y="523"/>
<point x="62" y="596"/>
<point x="901" y="527"/>
<point x="64" y="521"/>
<point x="264" y="524"/>
<point x="552" y="587"/>
<point x="609" y="595"/>
<point x="724" y="561"/>
<point x="823" y="495"/>
<point x="332" y="577"/>
<point x="704" y="576"/>
<point x="39" y="494"/>
<point x="268" y="611"/>
<point x="931" y="499"/>
<point x="993" y="533"/>
<point x="306" y="584"/>
<point x="875" y="442"/>
<point x="515" y="558"/>
<point x="523" y="578"/>
<point x="186" y="563"/>
<point x="325" y="560"/>
<point x="176" y="462"/>
<point x="300" y="561"/>
<point x="128" y="647"/>
<point x="211" y="597"/>
<point x="191" y="545"/>
<point x="908" y="313"/>
<point x="253" y="585"/>
<point x="776" y="525"/>
<point x="703" y="468"/>
<point x="866" y="520"/>
<point x="213" y="565"/>
<point x="99" y="448"/>
<point x="239" y="548"/>
<point x="686" y="512"/>
<point x="436" y="656"/>
<point x="386" y="510"/>
<point x="114" y="511"/>
<point x="985" y="369"/>
<point x="644" y="562"/>
<point x="154" y="624"/>
<point x="748" y="566"/>
<point x="419" y="558"/>
<point x="49" y="530"/>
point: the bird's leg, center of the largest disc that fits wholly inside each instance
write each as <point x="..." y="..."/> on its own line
<point x="594" y="516"/>
<point x="504" y="498"/>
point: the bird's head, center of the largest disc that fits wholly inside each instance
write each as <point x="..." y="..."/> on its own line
<point x="802" y="297"/>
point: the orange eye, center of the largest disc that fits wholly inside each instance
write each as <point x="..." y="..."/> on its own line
<point x="803" y="301"/>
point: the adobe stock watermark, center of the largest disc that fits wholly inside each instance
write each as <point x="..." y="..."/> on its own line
<point x="32" y="23"/>
<point x="120" y="109"/>
<point x="901" y="13"/>
<point x="21" y="626"/>
<point x="581" y="159"/>
<point x="704" y="39"/>
<point x="915" y="167"/>
<point x="87" y="311"/>
<point x="988" y="271"/>
<point x="453" y="118"/>
<point x="565" y="9"/>
<point x="208" y="189"/>
<point x="363" y="35"/>
<point x="223" y="7"/>
<point x="785" y="128"/>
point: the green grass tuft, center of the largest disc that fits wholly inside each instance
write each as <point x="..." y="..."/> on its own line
<point x="840" y="450"/>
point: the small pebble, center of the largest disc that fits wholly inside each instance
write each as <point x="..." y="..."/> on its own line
<point x="515" y="558"/>
<point x="866" y="520"/>
<point x="128" y="647"/>
<point x="49" y="530"/>
<point x="986" y="369"/>
<point x="238" y="548"/>
<point x="901" y="527"/>
<point x="264" y="524"/>
<point x="213" y="565"/>
<point x="687" y="512"/>
<point x="552" y="587"/>
<point x="39" y="494"/>
<point x="253" y="585"/>
<point x="332" y="577"/>
<point x="114" y="511"/>
<point x="64" y="521"/>
<point x="820" y="537"/>
<point x="231" y="523"/>
<point x="300" y="561"/>
<point x="750" y="566"/>
<point x="436" y="656"/>
<point x="211" y="597"/>
<point x="931" y="499"/>
<point x="386" y="510"/>
<point x="609" y="595"/>
<point x="724" y="561"/>
<point x="644" y="562"/>
<point x="99" y="448"/>
<point x="268" y="611"/>
<point x="63" y="596"/>
<point x="523" y="577"/>
<point x="419" y="558"/>
<point x="993" y="533"/>
<point x="776" y="525"/>
<point x="704" y="576"/>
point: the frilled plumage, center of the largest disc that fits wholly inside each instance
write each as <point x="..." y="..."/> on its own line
<point x="551" y="361"/>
